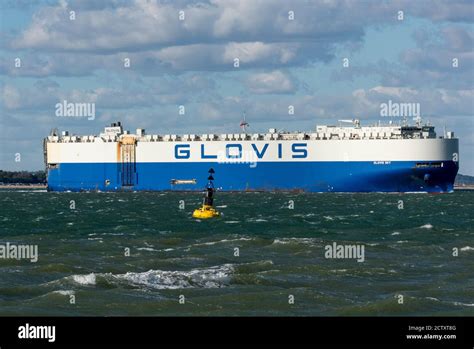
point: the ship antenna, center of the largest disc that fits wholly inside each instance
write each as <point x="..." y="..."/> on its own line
<point x="244" y="124"/>
<point x="417" y="121"/>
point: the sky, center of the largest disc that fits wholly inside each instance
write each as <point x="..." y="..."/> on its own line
<point x="141" y="61"/>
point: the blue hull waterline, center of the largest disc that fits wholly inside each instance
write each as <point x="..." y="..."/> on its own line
<point x="305" y="176"/>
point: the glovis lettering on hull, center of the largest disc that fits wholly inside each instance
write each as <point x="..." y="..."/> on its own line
<point x="235" y="151"/>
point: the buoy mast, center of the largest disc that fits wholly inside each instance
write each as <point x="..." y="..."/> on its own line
<point x="207" y="210"/>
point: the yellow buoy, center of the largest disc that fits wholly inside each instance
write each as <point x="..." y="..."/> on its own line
<point x="206" y="210"/>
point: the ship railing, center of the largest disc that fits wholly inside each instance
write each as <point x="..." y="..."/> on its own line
<point x="254" y="137"/>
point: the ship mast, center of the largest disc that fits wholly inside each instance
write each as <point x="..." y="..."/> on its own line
<point x="244" y="124"/>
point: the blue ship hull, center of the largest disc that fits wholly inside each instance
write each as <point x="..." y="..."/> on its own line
<point x="396" y="176"/>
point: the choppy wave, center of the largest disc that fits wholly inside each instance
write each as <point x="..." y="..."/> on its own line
<point x="210" y="243"/>
<point x="213" y="277"/>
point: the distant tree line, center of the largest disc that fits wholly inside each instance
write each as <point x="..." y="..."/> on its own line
<point x="464" y="180"/>
<point x="22" y="177"/>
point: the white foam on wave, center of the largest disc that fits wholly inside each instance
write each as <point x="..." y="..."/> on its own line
<point x="426" y="226"/>
<point x="210" y="243"/>
<point x="256" y="220"/>
<point x="64" y="292"/>
<point x="285" y="241"/>
<point x="304" y="215"/>
<point x="88" y="279"/>
<point x="338" y="270"/>
<point x="213" y="277"/>
<point x="467" y="248"/>
<point x="433" y="299"/>
<point x="464" y="304"/>
<point x="395" y="233"/>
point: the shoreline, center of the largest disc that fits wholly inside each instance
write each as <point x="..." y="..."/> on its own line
<point x="464" y="187"/>
<point x="23" y="186"/>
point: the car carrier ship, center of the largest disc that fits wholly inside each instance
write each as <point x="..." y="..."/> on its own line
<point x="342" y="158"/>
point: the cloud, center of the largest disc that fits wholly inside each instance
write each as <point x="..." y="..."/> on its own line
<point x="273" y="82"/>
<point x="10" y="97"/>
<point x="141" y="25"/>
<point x="172" y="59"/>
<point x="442" y="57"/>
<point x="448" y="103"/>
<point x="430" y="63"/>
<point x="222" y="57"/>
<point x="210" y="37"/>
<point x="441" y="10"/>
<point x="127" y="94"/>
<point x="57" y="64"/>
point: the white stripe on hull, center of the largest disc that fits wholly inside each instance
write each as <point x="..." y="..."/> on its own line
<point x="317" y="150"/>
